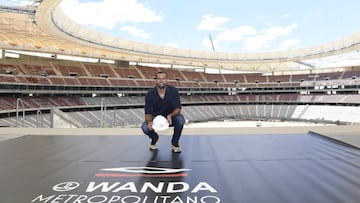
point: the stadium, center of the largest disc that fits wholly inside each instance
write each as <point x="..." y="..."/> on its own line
<point x="72" y="100"/>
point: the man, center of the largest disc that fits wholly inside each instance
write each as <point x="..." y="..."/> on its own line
<point x="163" y="100"/>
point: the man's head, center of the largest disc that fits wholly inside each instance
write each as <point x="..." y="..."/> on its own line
<point x="161" y="80"/>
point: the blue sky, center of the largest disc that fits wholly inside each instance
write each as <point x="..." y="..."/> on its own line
<point x="234" y="25"/>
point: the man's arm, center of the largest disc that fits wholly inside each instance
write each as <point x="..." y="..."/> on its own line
<point x="148" y="118"/>
<point x="172" y="114"/>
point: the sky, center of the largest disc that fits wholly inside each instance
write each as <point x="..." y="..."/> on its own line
<point x="218" y="25"/>
<point x="232" y="25"/>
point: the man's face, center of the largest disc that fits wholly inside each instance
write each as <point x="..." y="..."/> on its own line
<point x="161" y="80"/>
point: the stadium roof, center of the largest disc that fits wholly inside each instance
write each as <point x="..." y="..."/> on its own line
<point x="45" y="28"/>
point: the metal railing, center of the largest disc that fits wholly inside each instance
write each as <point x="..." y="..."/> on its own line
<point x="19" y="102"/>
<point x="39" y="117"/>
<point x="102" y="113"/>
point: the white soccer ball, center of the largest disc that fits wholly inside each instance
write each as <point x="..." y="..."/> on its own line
<point x="160" y="123"/>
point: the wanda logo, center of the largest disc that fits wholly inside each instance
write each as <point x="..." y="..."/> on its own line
<point x="66" y="186"/>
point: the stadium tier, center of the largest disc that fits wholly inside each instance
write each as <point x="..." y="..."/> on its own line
<point x="84" y="74"/>
<point x="83" y="90"/>
<point x="266" y="85"/>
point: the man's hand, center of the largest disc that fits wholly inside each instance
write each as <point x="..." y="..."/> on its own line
<point x="169" y="119"/>
<point x="150" y="125"/>
<point x="148" y="118"/>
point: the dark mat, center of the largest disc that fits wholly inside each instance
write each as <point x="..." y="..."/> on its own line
<point x="229" y="169"/>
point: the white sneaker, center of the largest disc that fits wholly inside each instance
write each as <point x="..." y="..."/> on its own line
<point x="176" y="148"/>
<point x="153" y="144"/>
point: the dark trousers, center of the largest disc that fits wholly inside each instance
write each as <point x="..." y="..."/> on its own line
<point x="178" y="122"/>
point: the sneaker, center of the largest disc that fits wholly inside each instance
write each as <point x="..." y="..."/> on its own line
<point x="176" y="148"/>
<point x="153" y="144"/>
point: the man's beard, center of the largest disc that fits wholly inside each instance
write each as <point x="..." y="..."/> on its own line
<point x="161" y="86"/>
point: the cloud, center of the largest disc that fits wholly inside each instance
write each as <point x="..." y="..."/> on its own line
<point x="252" y="39"/>
<point x="286" y="15"/>
<point x="290" y="43"/>
<point x="212" y="22"/>
<point x="263" y="40"/>
<point x="258" y="42"/>
<point x="108" y="13"/>
<point x="136" y="32"/>
<point x="236" y="34"/>
<point x="281" y="31"/>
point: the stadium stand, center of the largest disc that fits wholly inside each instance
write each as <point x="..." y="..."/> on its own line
<point x="81" y="88"/>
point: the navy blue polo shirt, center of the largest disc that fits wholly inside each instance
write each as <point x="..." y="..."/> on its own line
<point x="154" y="105"/>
